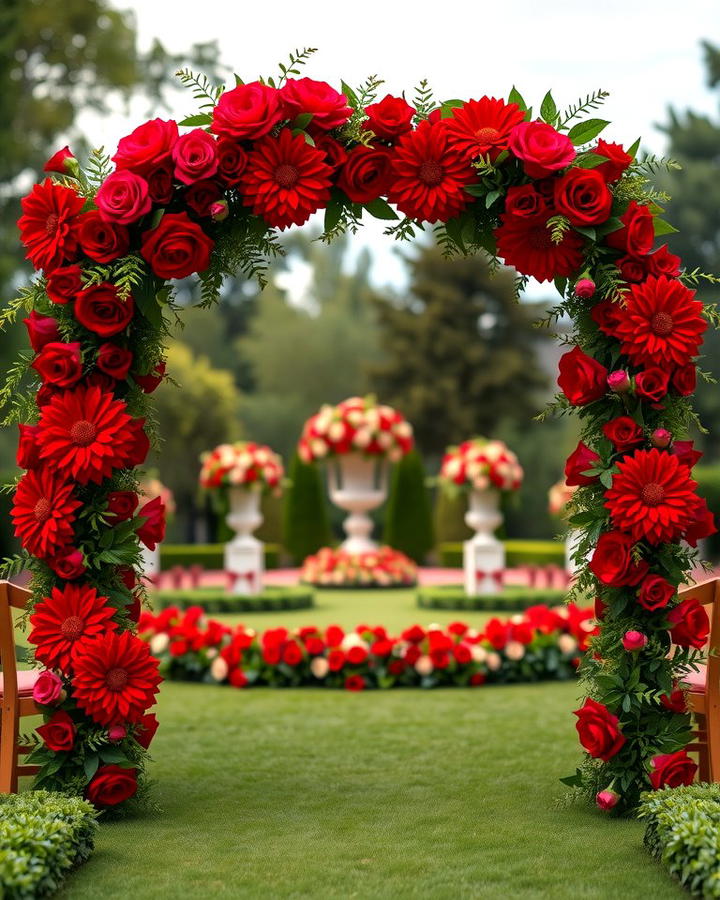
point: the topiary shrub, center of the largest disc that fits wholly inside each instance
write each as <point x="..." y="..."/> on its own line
<point x="209" y="556"/>
<point x="408" y="517"/>
<point x="306" y="527"/>
<point x="449" y="515"/>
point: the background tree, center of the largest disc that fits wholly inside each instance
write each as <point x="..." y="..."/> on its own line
<point x="462" y="355"/>
<point x="408" y="515"/>
<point x="306" y="524"/>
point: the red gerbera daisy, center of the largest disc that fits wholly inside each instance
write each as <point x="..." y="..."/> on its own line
<point x="115" y="678"/>
<point x="482" y="127"/>
<point x="46" y="225"/>
<point x="286" y="179"/>
<point x="660" y="323"/>
<point x="652" y="497"/>
<point x="44" y="512"/>
<point x="85" y="433"/>
<point x="59" y="621"/>
<point x="430" y="175"/>
<point x="526" y="244"/>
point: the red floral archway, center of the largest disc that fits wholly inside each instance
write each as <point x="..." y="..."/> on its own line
<point x="538" y="189"/>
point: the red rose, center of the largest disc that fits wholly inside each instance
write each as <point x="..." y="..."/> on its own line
<point x="356" y="656"/>
<point x="598" y="730"/>
<point x="655" y="593"/>
<point x="68" y="564"/>
<point x="702" y="526"/>
<point x="672" y="770"/>
<point x="152" y="531"/>
<point x="582" y="379"/>
<point x="354" y="683"/>
<point x="686" y="453"/>
<point x="304" y="95"/>
<point x="542" y="149"/>
<point x="389" y="118"/>
<point x="59" y="363"/>
<point x="232" y="160"/>
<point x="64" y="283"/>
<point x="662" y="262"/>
<point x="100" y="240"/>
<point x="462" y="654"/>
<point x="114" y="361"/>
<point x="59" y="732"/>
<point x="45" y="395"/>
<point x="336" y="660"/>
<point x="178" y="247"/>
<point x="335" y="153"/>
<point x="195" y="156"/>
<point x="617" y="160"/>
<point x="632" y="268"/>
<point x="684" y="379"/>
<point x="160" y="183"/>
<point x="41" y="330"/>
<point x="101" y="310"/>
<point x="582" y="196"/>
<point x="147" y="147"/>
<point x="134" y="609"/>
<point x="675" y="701"/>
<point x="147" y="726"/>
<point x="123" y="198"/>
<point x="121" y="506"/>
<point x="612" y="561"/>
<point x="525" y="201"/>
<point x="623" y="432"/>
<point x="63" y="162"/>
<point x="112" y="785"/>
<point x="652" y="384"/>
<point x="638" y="232"/>
<point x="367" y="174"/>
<point x="689" y="622"/>
<point x="27" y="451"/>
<point x="292" y="654"/>
<point x="201" y="196"/>
<point x="140" y="447"/>
<point x="248" y="111"/>
<point x="606" y="315"/>
<point x="580" y="460"/>
<point x="150" y="381"/>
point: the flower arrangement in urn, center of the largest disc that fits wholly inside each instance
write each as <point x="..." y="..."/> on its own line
<point x="480" y="465"/>
<point x="242" y="464"/>
<point x="384" y="567"/>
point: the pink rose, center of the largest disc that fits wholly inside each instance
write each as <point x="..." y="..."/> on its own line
<point x="123" y="198"/>
<point x="195" y="156"/>
<point x="607" y="799"/>
<point x="542" y="149"/>
<point x="48" y="688"/>
<point x="634" y="640"/>
<point x="248" y="111"/>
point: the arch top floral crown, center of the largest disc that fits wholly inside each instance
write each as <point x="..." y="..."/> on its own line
<point x="539" y="189"/>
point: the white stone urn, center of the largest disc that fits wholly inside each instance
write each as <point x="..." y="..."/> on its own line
<point x="358" y="484"/>
<point x="150" y="561"/>
<point x="572" y="541"/>
<point x="483" y="554"/>
<point x="244" y="554"/>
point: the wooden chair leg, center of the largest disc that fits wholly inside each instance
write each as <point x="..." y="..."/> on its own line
<point x="8" y="751"/>
<point x="712" y="726"/>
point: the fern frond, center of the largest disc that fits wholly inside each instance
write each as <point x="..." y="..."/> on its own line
<point x="295" y="59"/>
<point x="575" y="110"/>
<point x="423" y="101"/>
<point x="203" y="90"/>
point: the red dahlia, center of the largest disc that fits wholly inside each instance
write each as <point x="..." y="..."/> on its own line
<point x="652" y="497"/>
<point x="46" y="225"/>
<point x="59" y="621"/>
<point x="115" y="678"/>
<point x="660" y="323"/>
<point x="285" y="180"/>
<point x="482" y="127"/>
<point x="430" y="175"/>
<point x="43" y="512"/>
<point x="85" y="434"/>
<point x="526" y="244"/>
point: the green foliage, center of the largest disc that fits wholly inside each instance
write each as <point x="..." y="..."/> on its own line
<point x="449" y="520"/>
<point x="708" y="479"/>
<point x="517" y="553"/>
<point x="511" y="599"/>
<point x="683" y="832"/>
<point x="42" y="837"/>
<point x="408" y="515"/>
<point x="217" y="600"/>
<point x="209" y="556"/>
<point x="306" y="524"/>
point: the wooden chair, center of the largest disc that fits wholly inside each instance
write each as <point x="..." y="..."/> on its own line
<point x="16" y="689"/>
<point x="703" y="697"/>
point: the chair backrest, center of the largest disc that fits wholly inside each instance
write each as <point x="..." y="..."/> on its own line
<point x="11" y="597"/>
<point x="707" y="594"/>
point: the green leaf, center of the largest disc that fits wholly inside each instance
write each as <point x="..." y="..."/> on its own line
<point x="516" y="97"/>
<point x="491" y="197"/>
<point x="573" y="780"/>
<point x="589" y="160"/>
<point x="302" y="121"/>
<point x="561" y="284"/>
<point x="475" y="190"/>
<point x="587" y="130"/>
<point x="587" y="231"/>
<point x="633" y="151"/>
<point x="91" y="764"/>
<point x="380" y="209"/>
<point x="146" y="302"/>
<point x="238" y="80"/>
<point x="350" y="94"/>
<point x="447" y="107"/>
<point x="333" y="214"/>
<point x="548" y="109"/>
<point x="112" y="755"/>
<point x="607" y="227"/>
<point x="663" y="227"/>
<point x="199" y="119"/>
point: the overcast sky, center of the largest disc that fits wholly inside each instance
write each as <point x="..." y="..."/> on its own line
<point x="647" y="54"/>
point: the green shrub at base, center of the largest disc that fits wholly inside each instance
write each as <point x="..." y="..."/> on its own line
<point x="408" y="517"/>
<point x="209" y="556"/>
<point x="43" y="836"/>
<point x="449" y="518"/>
<point x="306" y="527"/>
<point x="683" y="833"/>
<point x="217" y="600"/>
<point x="510" y="600"/>
<point x="518" y="553"/>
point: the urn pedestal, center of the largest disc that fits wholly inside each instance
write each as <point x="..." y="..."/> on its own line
<point x="150" y="561"/>
<point x="244" y="554"/>
<point x="483" y="554"/>
<point x="358" y="484"/>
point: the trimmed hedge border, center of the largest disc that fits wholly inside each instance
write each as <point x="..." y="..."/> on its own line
<point x="209" y="556"/>
<point x="518" y="553"/>
<point x="511" y="599"/>
<point x="216" y="600"/>
<point x="43" y="836"/>
<point x="371" y="586"/>
<point x="683" y="833"/>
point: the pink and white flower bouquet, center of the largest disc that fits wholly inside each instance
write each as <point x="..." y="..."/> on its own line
<point x="383" y="567"/>
<point x="242" y="464"/>
<point x="480" y="464"/>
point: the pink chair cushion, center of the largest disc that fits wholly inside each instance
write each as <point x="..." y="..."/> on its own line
<point x="696" y="680"/>
<point x="26" y="682"/>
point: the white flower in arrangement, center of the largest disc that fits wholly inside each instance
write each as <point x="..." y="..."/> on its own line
<point x="517" y="619"/>
<point x="493" y="661"/>
<point x="478" y="653"/>
<point x="567" y="644"/>
<point x="587" y="625"/>
<point x="372" y="418"/>
<point x="561" y="611"/>
<point x="453" y="467"/>
<point x="424" y="666"/>
<point x="319" y="666"/>
<point x="318" y="447"/>
<point x="385" y="439"/>
<point x="386" y="411"/>
<point x="219" y="669"/>
<point x="245" y="459"/>
<point x="353" y="639"/>
<point x="262" y="456"/>
<point x="403" y="429"/>
<point x="211" y="652"/>
<point x="336" y="431"/>
<point x="236" y="475"/>
<point x="159" y="643"/>
<point x="395" y="454"/>
<point x="514" y="651"/>
<point x="493" y="450"/>
<point x="355" y="417"/>
<point x="481" y="483"/>
<point x="324" y="420"/>
<point x="362" y="437"/>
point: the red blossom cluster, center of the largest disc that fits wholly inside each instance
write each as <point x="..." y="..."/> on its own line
<point x="383" y="567"/>
<point x="242" y="464"/>
<point x="481" y="464"/>
<point x="538" y="644"/>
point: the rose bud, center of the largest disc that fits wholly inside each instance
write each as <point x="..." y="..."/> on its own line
<point x="619" y="382"/>
<point x="585" y="288"/>
<point x="117" y="732"/>
<point x="219" y="211"/>
<point x="661" y="438"/>
<point x="63" y="162"/>
<point x="634" y="640"/>
<point x="607" y="799"/>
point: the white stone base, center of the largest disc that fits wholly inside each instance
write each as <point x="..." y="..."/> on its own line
<point x="245" y="559"/>
<point x="484" y="566"/>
